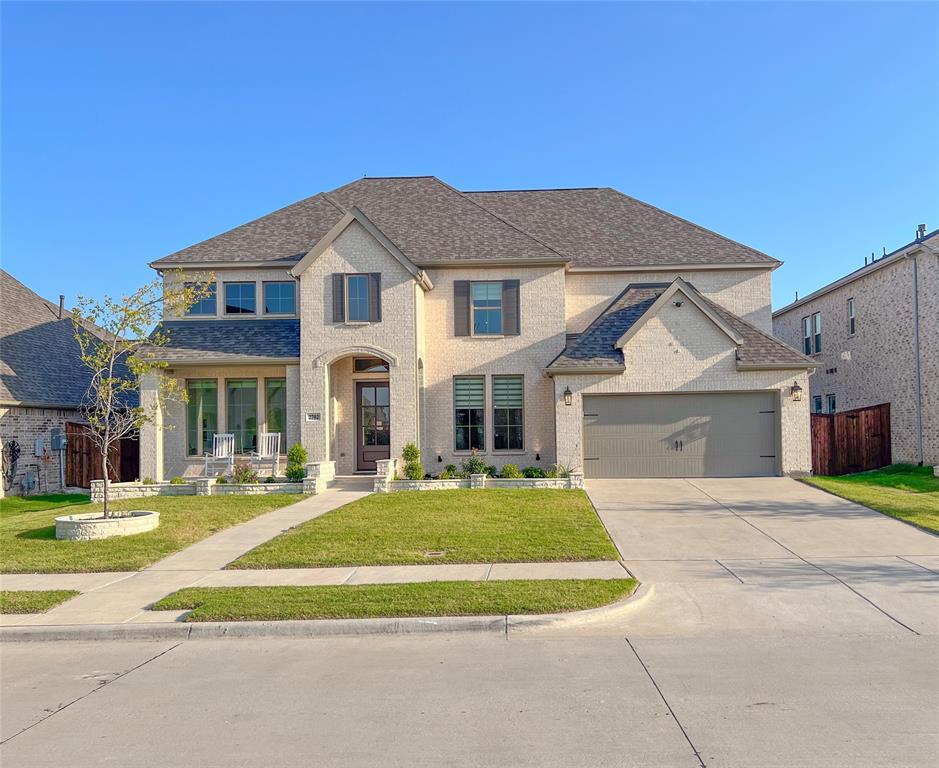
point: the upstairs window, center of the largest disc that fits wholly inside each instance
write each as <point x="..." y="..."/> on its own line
<point x="852" y="319"/>
<point x="486" y="304"/>
<point x="240" y="299"/>
<point x="357" y="298"/>
<point x="817" y="331"/>
<point x="807" y="335"/>
<point x="469" y="401"/>
<point x="207" y="305"/>
<point x="832" y="404"/>
<point x="508" y="405"/>
<point x="280" y="298"/>
<point x="817" y="404"/>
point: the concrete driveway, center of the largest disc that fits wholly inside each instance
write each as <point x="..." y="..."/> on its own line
<point x="738" y="556"/>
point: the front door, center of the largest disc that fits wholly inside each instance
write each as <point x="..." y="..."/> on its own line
<point x="373" y="424"/>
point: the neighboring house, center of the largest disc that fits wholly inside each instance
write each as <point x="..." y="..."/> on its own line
<point x="577" y="326"/>
<point x="875" y="335"/>
<point x="42" y="381"/>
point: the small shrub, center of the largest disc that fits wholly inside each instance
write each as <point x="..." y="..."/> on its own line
<point x="221" y="480"/>
<point x="533" y="472"/>
<point x="147" y="481"/>
<point x="411" y="453"/>
<point x="473" y="465"/>
<point x="511" y="471"/>
<point x="177" y="481"/>
<point x="449" y="472"/>
<point x="414" y="470"/>
<point x="296" y="463"/>
<point x="244" y="475"/>
<point x="551" y="471"/>
<point x="491" y="470"/>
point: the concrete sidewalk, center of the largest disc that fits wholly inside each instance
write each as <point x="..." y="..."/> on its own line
<point x="118" y="598"/>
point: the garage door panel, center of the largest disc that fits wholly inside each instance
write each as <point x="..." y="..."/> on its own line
<point x="688" y="435"/>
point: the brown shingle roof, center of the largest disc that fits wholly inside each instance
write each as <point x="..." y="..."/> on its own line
<point x="433" y="223"/>
<point x="595" y="349"/>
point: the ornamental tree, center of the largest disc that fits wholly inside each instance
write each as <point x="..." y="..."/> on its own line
<point x="118" y="348"/>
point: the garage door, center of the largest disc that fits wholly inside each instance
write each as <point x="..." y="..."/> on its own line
<point x="688" y="435"/>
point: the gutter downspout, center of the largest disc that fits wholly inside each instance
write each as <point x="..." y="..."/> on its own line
<point x="919" y="377"/>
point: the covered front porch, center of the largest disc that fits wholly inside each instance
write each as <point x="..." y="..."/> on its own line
<point x="241" y="400"/>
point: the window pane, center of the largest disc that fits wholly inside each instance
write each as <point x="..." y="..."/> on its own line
<point x="239" y="299"/>
<point x="242" y="399"/>
<point x="201" y="416"/>
<point x="369" y="365"/>
<point x="357" y="293"/>
<point x="487" y="308"/>
<point x="279" y="298"/>
<point x="275" y="397"/>
<point x="470" y="392"/>
<point x="205" y="305"/>
<point x="507" y="391"/>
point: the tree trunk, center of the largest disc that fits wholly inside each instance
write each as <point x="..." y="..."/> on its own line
<point x="107" y="480"/>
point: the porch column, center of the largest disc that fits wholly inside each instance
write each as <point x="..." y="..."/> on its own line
<point x="151" y="435"/>
<point x="293" y="407"/>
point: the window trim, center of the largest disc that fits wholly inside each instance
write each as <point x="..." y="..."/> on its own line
<point x="267" y="418"/>
<point x="202" y="441"/>
<point x="472" y="310"/>
<point x="807" y="335"/>
<point x="468" y="451"/>
<point x="817" y="332"/>
<point x="345" y="297"/>
<point x="817" y="401"/>
<point x="265" y="283"/>
<point x="852" y="316"/>
<point x="190" y="313"/>
<point x="829" y="398"/>
<point x="492" y="386"/>
<point x="257" y="421"/>
<point x="225" y="298"/>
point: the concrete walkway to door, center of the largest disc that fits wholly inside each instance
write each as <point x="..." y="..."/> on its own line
<point x="746" y="554"/>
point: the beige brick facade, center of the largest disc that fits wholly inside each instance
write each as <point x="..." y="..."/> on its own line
<point x="878" y="363"/>
<point x="745" y="292"/>
<point x="416" y="335"/>
<point x="26" y="426"/>
<point x="680" y="350"/>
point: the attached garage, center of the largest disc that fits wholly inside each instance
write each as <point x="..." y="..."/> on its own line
<point x="728" y="434"/>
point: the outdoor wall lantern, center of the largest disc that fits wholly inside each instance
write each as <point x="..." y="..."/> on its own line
<point x="796" y="391"/>
<point x="439" y="459"/>
<point x="568" y="396"/>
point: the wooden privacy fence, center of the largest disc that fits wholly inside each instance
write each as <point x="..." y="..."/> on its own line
<point x="83" y="460"/>
<point x="852" y="441"/>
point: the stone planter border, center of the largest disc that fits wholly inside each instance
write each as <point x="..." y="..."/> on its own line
<point x="385" y="482"/>
<point x="91" y="527"/>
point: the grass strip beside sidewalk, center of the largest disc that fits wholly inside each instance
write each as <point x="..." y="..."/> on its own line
<point x="366" y="601"/>
<point x="33" y="601"/>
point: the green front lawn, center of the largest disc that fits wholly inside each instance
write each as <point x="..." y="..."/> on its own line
<point x="28" y="543"/>
<point x="10" y="506"/>
<point x="368" y="601"/>
<point x="33" y="601"/>
<point x="904" y="491"/>
<point x="457" y="526"/>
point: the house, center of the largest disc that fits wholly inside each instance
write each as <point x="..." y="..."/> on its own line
<point x="577" y="326"/>
<point x="875" y="336"/>
<point x="42" y="382"/>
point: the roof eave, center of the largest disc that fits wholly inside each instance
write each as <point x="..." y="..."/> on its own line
<point x="599" y="371"/>
<point x="677" y="267"/>
<point x="793" y="366"/>
<point x="234" y="359"/>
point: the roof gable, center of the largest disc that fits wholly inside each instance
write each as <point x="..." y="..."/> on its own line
<point x="678" y="286"/>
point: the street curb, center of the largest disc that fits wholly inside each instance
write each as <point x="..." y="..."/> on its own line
<point x="493" y="625"/>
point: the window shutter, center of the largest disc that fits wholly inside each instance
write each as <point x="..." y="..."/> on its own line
<point x="510" y="308"/>
<point x="374" y="297"/>
<point x="461" y="307"/>
<point x="339" y="303"/>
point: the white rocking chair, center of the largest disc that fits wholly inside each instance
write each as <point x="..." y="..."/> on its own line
<point x="223" y="452"/>
<point x="268" y="451"/>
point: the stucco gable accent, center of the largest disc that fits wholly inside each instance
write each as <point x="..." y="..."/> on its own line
<point x="354" y="214"/>
<point x="686" y="290"/>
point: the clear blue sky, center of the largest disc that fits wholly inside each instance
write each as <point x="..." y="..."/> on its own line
<point x="809" y="131"/>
